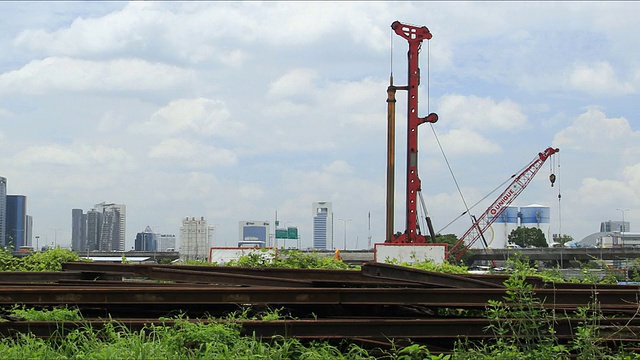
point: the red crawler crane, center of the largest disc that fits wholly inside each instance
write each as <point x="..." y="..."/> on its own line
<point x="414" y="35"/>
<point x="505" y="199"/>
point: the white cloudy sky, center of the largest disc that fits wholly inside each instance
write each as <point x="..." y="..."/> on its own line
<point x="236" y="110"/>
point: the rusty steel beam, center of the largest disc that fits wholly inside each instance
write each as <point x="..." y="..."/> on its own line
<point x="372" y="329"/>
<point x="319" y="277"/>
<point x="396" y="272"/>
<point x="190" y="276"/>
<point x="52" y="276"/>
<point x="611" y="299"/>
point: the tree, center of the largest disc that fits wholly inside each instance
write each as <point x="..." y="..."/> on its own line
<point x="451" y="240"/>
<point x="563" y="239"/>
<point x="528" y="237"/>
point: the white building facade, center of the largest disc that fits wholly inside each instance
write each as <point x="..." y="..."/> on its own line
<point x="322" y="225"/>
<point x="166" y="242"/>
<point x="196" y="237"/>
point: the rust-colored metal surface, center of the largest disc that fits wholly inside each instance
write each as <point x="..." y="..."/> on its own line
<point x="372" y="305"/>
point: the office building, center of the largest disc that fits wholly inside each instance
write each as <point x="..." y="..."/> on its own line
<point x="100" y="229"/>
<point x="166" y="242"/>
<point x="3" y="210"/>
<point x="146" y="241"/>
<point x="113" y="227"/>
<point x="322" y="225"/>
<point x="196" y="237"/>
<point x="16" y="221"/>
<point x="611" y="226"/>
<point x="253" y="233"/>
<point x="94" y="227"/>
<point x="78" y="230"/>
<point x="28" y="239"/>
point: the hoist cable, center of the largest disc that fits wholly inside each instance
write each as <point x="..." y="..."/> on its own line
<point x="485" y="197"/>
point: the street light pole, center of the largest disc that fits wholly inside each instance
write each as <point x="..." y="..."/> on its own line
<point x="345" y="232"/>
<point x="55" y="237"/>
<point x="623" y="227"/>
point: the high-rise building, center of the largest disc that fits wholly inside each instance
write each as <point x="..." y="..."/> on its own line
<point x="94" y="228"/>
<point x="3" y="210"/>
<point x="106" y="227"/>
<point x="146" y="241"/>
<point x="28" y="234"/>
<point x="78" y="230"/>
<point x="16" y="221"/>
<point x="254" y="233"/>
<point x="322" y="225"/>
<point x="611" y="226"/>
<point x="166" y="242"/>
<point x="196" y="237"/>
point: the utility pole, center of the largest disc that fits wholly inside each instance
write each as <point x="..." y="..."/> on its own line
<point x="345" y="232"/>
<point x="622" y="227"/>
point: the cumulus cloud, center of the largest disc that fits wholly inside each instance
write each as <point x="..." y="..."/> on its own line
<point x="591" y="191"/>
<point x="67" y="74"/>
<point x="598" y="78"/>
<point x="4" y="113"/>
<point x="74" y="156"/>
<point x="198" y="117"/>
<point x="593" y="128"/>
<point x="481" y="113"/>
<point x="466" y="141"/>
<point x="295" y="83"/>
<point x="632" y="174"/>
<point x="192" y="154"/>
<point x="338" y="167"/>
<point x="112" y="32"/>
<point x="145" y="28"/>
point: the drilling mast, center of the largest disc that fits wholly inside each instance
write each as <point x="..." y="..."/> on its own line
<point x="414" y="36"/>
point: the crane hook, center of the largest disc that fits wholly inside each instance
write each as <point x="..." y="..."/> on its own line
<point x="552" y="178"/>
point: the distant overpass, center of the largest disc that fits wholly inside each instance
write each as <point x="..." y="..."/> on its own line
<point x="559" y="254"/>
<point x="154" y="255"/>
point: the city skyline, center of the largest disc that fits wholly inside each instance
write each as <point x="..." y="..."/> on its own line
<point x="239" y="110"/>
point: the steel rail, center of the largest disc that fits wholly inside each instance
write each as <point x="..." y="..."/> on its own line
<point x="32" y="294"/>
<point x="380" y="329"/>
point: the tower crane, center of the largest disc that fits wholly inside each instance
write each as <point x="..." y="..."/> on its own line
<point x="500" y="204"/>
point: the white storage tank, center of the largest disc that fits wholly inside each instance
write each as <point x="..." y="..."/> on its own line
<point x="536" y="216"/>
<point x="506" y="222"/>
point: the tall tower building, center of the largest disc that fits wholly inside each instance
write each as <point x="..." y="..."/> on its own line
<point x="16" y="221"/>
<point x="94" y="227"/>
<point x="79" y="230"/>
<point x="322" y="225"/>
<point x="3" y="210"/>
<point x="28" y="238"/>
<point x="146" y="240"/>
<point x="196" y="237"/>
<point x="113" y="227"/>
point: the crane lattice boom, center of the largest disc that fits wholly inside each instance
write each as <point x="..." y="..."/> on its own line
<point x="505" y="199"/>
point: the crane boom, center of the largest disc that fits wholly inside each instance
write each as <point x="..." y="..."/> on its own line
<point x="490" y="215"/>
